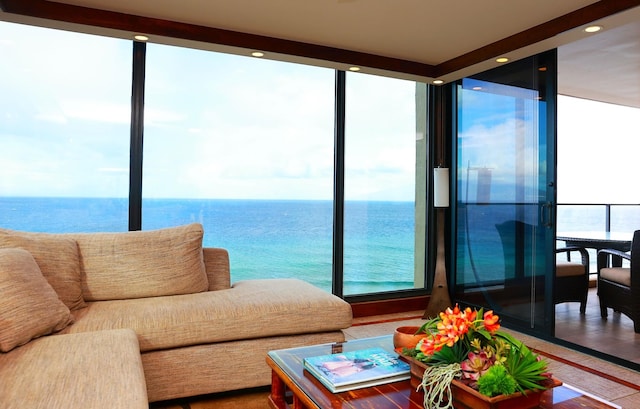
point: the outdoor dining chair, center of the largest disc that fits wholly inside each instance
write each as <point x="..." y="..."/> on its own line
<point x="619" y="281"/>
<point x="571" y="279"/>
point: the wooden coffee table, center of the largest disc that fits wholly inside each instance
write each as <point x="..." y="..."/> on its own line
<point x="292" y="387"/>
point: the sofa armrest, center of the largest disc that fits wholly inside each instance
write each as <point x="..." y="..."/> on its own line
<point x="216" y="263"/>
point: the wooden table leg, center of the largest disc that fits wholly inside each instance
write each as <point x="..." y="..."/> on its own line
<point x="278" y="389"/>
<point x="298" y="404"/>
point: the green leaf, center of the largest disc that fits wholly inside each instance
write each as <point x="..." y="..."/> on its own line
<point x="429" y="326"/>
<point x="449" y="355"/>
<point x="485" y="334"/>
<point x="524" y="366"/>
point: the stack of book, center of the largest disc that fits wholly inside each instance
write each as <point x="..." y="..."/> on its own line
<point x="357" y="369"/>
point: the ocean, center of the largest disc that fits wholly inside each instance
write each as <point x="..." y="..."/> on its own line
<point x="265" y="238"/>
<point x="287" y="238"/>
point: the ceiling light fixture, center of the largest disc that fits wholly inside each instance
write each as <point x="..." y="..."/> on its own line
<point x="592" y="29"/>
<point x="502" y="59"/>
<point x="438" y="82"/>
<point x="140" y="37"/>
<point x="354" y="69"/>
<point x="257" y="54"/>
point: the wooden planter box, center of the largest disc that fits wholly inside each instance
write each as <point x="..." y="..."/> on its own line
<point x="466" y="397"/>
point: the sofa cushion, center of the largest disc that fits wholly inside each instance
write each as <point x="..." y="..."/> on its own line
<point x="140" y="264"/>
<point x="30" y="306"/>
<point x="221" y="366"/>
<point x="91" y="370"/>
<point x="620" y="275"/>
<point x="57" y="258"/>
<point x="251" y="309"/>
<point x="570" y="269"/>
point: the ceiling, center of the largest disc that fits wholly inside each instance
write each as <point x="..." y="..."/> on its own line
<point x="603" y="67"/>
<point x="406" y="29"/>
<point x="414" y="39"/>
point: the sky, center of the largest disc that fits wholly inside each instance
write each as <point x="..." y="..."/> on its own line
<point x="222" y="126"/>
<point x="216" y="126"/>
<point x="598" y="145"/>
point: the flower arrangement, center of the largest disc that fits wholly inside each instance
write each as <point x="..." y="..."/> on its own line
<point x="468" y="345"/>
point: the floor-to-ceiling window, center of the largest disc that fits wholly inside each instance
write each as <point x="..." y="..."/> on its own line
<point x="380" y="184"/>
<point x="243" y="145"/>
<point x="64" y="130"/>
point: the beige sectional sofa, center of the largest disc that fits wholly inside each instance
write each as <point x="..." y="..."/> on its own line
<point x="122" y="319"/>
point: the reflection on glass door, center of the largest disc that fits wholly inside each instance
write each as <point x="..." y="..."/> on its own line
<point x="503" y="219"/>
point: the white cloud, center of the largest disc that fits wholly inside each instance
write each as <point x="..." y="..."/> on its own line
<point x="53" y="118"/>
<point x="98" y="111"/>
<point x="217" y="126"/>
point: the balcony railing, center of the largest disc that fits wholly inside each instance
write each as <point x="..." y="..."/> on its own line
<point x="609" y="217"/>
<point x="598" y="217"/>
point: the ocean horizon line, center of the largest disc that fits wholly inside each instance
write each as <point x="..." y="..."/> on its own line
<point x="203" y="199"/>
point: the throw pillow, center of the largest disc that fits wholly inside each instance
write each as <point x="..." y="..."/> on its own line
<point x="57" y="258"/>
<point x="140" y="264"/>
<point x="30" y="306"/>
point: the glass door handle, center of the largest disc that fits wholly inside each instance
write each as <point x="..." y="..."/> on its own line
<point x="546" y="214"/>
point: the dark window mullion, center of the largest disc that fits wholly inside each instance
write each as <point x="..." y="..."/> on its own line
<point x="137" y="128"/>
<point x="338" y="189"/>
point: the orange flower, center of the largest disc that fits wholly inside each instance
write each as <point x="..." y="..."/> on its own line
<point x="470" y="315"/>
<point x="491" y="321"/>
<point x="447" y="336"/>
<point x="453" y="325"/>
<point x="428" y="346"/>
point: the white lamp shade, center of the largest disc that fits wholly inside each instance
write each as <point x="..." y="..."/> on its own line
<point x="441" y="187"/>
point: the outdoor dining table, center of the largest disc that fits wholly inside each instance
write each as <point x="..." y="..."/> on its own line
<point x="598" y="240"/>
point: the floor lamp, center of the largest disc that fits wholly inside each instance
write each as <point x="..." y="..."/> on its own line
<point x="439" y="300"/>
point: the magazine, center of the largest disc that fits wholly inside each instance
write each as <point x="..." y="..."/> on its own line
<point x="357" y="369"/>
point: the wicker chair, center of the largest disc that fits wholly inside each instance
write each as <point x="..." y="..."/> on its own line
<point x="571" y="282"/>
<point x="572" y="278"/>
<point x="619" y="287"/>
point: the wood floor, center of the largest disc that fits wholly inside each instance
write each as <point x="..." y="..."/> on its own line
<point x="599" y="377"/>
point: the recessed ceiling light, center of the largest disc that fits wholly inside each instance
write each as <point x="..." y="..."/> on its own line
<point x="502" y="59"/>
<point x="257" y="54"/>
<point x="141" y="37"/>
<point x="438" y="82"/>
<point x="592" y="29"/>
<point x="354" y="69"/>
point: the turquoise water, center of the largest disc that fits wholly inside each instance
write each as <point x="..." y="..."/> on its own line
<point x="294" y="238"/>
<point x="265" y="239"/>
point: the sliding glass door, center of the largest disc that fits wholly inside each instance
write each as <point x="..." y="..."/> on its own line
<point x="505" y="191"/>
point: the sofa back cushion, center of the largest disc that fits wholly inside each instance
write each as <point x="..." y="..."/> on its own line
<point x="140" y="264"/>
<point x="30" y="306"/>
<point x="57" y="258"/>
